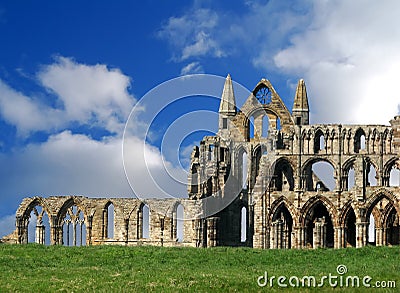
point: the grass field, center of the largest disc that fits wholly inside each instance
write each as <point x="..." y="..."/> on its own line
<point x="36" y="268"/>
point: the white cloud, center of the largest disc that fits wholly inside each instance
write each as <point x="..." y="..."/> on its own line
<point x="27" y="114"/>
<point x="192" y="34"/>
<point x="89" y="95"/>
<point x="349" y="57"/>
<point x="192" y="68"/>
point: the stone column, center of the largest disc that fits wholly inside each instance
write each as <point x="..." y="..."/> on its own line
<point x="39" y="234"/>
<point x="379" y="236"/>
<point x="319" y="233"/>
<point x="339" y="237"/>
<point x="300" y="237"/>
<point x="361" y="234"/>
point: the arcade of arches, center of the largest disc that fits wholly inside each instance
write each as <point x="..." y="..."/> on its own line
<point x="290" y="185"/>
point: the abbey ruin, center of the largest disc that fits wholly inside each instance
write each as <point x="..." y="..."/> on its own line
<point x="252" y="184"/>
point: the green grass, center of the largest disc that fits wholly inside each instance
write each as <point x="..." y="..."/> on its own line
<point x="36" y="268"/>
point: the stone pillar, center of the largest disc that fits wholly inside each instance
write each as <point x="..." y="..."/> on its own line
<point x="361" y="234"/>
<point x="300" y="237"/>
<point x="89" y="227"/>
<point x="319" y="233"/>
<point x="379" y="236"/>
<point x="339" y="238"/>
<point x="39" y="234"/>
<point x="140" y="224"/>
<point x="212" y="231"/>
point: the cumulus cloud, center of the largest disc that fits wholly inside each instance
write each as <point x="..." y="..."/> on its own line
<point x="350" y="60"/>
<point x="91" y="95"/>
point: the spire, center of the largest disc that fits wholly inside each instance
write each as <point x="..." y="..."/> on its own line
<point x="301" y="109"/>
<point x="300" y="99"/>
<point x="228" y="103"/>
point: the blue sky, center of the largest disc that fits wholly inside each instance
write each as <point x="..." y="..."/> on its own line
<point x="71" y="71"/>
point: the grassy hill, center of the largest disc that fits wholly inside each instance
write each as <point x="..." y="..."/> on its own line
<point x="36" y="268"/>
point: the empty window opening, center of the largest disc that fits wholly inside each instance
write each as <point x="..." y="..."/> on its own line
<point x="265" y="126"/>
<point x="244" y="170"/>
<point x="74" y="227"/>
<point x="283" y="179"/>
<point x="319" y="141"/>
<point x="38" y="227"/>
<point x="371" y="175"/>
<point x="110" y="221"/>
<point x="243" y="225"/>
<point x="322" y="173"/>
<point x="359" y="140"/>
<point x="145" y="221"/>
<point x="362" y="142"/>
<point x="371" y="229"/>
<point x="251" y="127"/>
<point x="351" y="179"/>
<point x="394" y="179"/>
<point x="179" y="223"/>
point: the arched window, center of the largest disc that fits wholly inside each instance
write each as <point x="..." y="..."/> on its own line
<point x="320" y="172"/>
<point x="109" y="221"/>
<point x="359" y="140"/>
<point x="145" y="221"/>
<point x="74" y="227"/>
<point x="243" y="225"/>
<point x="319" y="141"/>
<point x="38" y="226"/>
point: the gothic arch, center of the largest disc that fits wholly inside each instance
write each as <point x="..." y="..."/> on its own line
<point x="376" y="197"/>
<point x="276" y="204"/>
<point x="36" y="201"/>
<point x="307" y="172"/>
<point x="308" y="206"/>
<point x="283" y="168"/>
<point x="347" y="207"/>
<point x="68" y="203"/>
